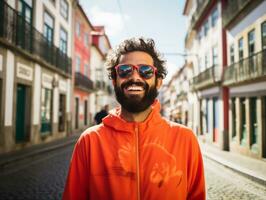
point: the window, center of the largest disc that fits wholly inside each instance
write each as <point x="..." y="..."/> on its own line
<point x="64" y="9"/>
<point x="25" y="9"/>
<point x="214" y="56"/>
<point x="240" y="49"/>
<point x="87" y="39"/>
<point x="46" y="110"/>
<point x="77" y="64"/>
<point x="263" y="35"/>
<point x="48" y="27"/>
<point x="214" y="17"/>
<point x="251" y="42"/>
<point x="232" y="54"/>
<point x="63" y="41"/>
<point x="78" y="29"/>
<point x="206" y="27"/>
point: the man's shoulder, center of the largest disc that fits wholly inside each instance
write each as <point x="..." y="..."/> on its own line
<point x="181" y="130"/>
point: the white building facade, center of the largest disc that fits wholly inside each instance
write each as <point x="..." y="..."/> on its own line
<point x="35" y="72"/>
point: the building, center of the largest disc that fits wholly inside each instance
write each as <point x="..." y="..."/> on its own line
<point x="245" y="23"/>
<point x="204" y="44"/>
<point x="35" y="72"/>
<point x="104" y="94"/>
<point x="175" y="96"/>
<point x="83" y="85"/>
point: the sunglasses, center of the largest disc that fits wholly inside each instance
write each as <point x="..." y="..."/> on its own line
<point x="126" y="70"/>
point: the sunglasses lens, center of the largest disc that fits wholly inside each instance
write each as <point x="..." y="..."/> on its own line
<point x="124" y="71"/>
<point x="146" y="71"/>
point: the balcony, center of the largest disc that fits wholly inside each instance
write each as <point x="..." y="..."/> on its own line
<point x="210" y="77"/>
<point x="16" y="32"/>
<point x="83" y="82"/>
<point x="201" y="7"/>
<point x="249" y="69"/>
<point x="236" y="9"/>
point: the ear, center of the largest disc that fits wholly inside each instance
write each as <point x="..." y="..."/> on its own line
<point x="159" y="83"/>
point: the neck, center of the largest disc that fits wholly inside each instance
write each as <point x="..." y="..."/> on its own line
<point x="135" y="117"/>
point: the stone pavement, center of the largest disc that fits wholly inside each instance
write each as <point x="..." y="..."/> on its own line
<point x="249" y="167"/>
<point x="17" y="160"/>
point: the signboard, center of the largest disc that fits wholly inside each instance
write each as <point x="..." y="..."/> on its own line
<point x="24" y="72"/>
<point x="47" y="81"/>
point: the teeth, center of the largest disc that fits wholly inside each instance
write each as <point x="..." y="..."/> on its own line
<point x="134" y="88"/>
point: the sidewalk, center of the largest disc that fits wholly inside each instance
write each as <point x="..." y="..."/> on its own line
<point x="24" y="156"/>
<point x="249" y="167"/>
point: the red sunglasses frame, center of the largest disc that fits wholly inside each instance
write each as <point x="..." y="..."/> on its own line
<point x="137" y="68"/>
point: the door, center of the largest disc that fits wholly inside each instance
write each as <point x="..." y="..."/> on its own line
<point x="253" y="121"/>
<point x="264" y="127"/>
<point x="215" y="119"/>
<point x="85" y="112"/>
<point x="77" y="113"/>
<point x="22" y="113"/>
<point x="62" y="112"/>
<point x="243" y="122"/>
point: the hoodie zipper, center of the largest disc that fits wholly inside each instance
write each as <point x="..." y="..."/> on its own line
<point x="137" y="160"/>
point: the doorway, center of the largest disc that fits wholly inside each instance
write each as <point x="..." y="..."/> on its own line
<point x="215" y="119"/>
<point x="264" y="127"/>
<point x="77" y="113"/>
<point x="85" y="112"/>
<point x="62" y="112"/>
<point x="23" y="113"/>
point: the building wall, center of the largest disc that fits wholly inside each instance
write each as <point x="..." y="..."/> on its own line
<point x="247" y="90"/>
<point x="54" y="10"/>
<point x="82" y="51"/>
<point x="22" y="78"/>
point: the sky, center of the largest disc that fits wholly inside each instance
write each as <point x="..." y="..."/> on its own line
<point x="161" y="20"/>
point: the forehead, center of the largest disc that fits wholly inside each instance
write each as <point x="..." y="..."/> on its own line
<point x="136" y="57"/>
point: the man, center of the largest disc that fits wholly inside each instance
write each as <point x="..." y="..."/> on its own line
<point x="101" y="114"/>
<point x="135" y="153"/>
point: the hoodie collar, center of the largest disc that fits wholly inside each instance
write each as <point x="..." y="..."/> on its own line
<point x="115" y="121"/>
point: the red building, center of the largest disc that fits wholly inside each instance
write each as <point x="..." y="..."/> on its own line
<point x="83" y="85"/>
<point x="100" y="47"/>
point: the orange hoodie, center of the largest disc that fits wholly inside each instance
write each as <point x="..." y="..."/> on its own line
<point x="151" y="160"/>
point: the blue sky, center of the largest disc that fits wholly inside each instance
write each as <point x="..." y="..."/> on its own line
<point x="161" y="20"/>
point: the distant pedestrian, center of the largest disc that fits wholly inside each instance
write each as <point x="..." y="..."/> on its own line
<point x="101" y="114"/>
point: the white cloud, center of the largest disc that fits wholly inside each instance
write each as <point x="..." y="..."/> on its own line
<point x="113" y="22"/>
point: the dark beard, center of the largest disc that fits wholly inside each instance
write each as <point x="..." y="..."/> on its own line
<point x="134" y="103"/>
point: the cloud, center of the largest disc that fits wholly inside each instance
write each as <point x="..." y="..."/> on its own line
<point x="113" y="22"/>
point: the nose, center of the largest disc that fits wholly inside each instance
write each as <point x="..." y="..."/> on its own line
<point x="135" y="75"/>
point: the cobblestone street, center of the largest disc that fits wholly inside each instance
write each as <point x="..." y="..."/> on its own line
<point x="223" y="183"/>
<point x="45" y="178"/>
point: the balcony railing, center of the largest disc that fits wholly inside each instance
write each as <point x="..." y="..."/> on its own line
<point x="248" y="69"/>
<point x="15" y="30"/>
<point x="234" y="8"/>
<point x="209" y="77"/>
<point x="83" y="82"/>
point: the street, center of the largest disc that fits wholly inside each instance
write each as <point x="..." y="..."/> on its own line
<point x="45" y="178"/>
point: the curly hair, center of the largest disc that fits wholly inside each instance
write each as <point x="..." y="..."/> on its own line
<point x="131" y="45"/>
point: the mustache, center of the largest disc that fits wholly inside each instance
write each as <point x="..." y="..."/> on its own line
<point x="131" y="82"/>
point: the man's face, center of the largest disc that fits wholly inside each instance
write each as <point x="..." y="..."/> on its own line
<point x="134" y="93"/>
